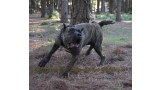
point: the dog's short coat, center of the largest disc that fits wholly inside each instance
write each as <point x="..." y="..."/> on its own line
<point x="74" y="37"/>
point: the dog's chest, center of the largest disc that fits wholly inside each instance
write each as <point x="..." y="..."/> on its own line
<point x="72" y="51"/>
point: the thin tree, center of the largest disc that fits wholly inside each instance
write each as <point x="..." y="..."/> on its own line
<point x="31" y="6"/>
<point x="130" y="6"/>
<point x="59" y="6"/>
<point x="111" y="6"/>
<point x="90" y="7"/>
<point x="126" y="6"/>
<point x="123" y="6"/>
<point x="56" y="4"/>
<point x="98" y="2"/>
<point x="47" y="3"/>
<point x="51" y="8"/>
<point x="118" y="13"/>
<point x="47" y="7"/>
<point x="43" y="8"/>
<point x="102" y="6"/>
<point x="80" y="11"/>
<point x="64" y="11"/>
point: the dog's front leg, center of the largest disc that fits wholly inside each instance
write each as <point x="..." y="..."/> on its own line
<point x="43" y="62"/>
<point x="70" y="65"/>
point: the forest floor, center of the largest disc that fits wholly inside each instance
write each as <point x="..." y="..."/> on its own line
<point x="115" y="74"/>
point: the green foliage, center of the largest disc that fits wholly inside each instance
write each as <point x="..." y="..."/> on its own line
<point x="116" y="40"/>
<point x="55" y="15"/>
<point x="104" y="16"/>
<point x="46" y="16"/>
<point x="117" y="34"/>
<point x="126" y="17"/>
<point x="108" y="16"/>
<point x="50" y="40"/>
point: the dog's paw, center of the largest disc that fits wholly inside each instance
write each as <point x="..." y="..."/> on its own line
<point x="100" y="64"/>
<point x="42" y="63"/>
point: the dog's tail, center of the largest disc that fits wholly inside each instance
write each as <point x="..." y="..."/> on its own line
<point x="104" y="22"/>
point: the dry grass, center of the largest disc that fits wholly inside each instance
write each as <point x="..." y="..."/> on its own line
<point x="119" y="53"/>
<point x="90" y="77"/>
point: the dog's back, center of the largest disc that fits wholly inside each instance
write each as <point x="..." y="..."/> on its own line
<point x="91" y="31"/>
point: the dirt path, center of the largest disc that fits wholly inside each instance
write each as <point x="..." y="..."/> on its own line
<point x="36" y="18"/>
<point x="116" y="74"/>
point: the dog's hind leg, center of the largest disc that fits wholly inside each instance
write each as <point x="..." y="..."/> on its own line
<point x="98" y="49"/>
<point x="89" y="50"/>
<point x="43" y="62"/>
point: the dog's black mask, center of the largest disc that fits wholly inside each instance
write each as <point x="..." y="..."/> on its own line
<point x="72" y="37"/>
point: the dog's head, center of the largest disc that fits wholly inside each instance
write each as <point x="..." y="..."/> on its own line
<point x="71" y="36"/>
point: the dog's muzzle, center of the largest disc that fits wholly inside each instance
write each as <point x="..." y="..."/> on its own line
<point x="72" y="45"/>
<point x="75" y="41"/>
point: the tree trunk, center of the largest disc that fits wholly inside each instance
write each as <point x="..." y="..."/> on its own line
<point x="31" y="6"/>
<point x="51" y="8"/>
<point x="130" y="5"/>
<point x="80" y="11"/>
<point x="43" y="8"/>
<point x="118" y="14"/>
<point x="111" y="6"/>
<point x="102" y="6"/>
<point x="56" y="4"/>
<point x="90" y="7"/>
<point x="98" y="1"/>
<point x="59" y="6"/>
<point x="36" y="6"/>
<point x="64" y="11"/>
<point x="47" y="3"/>
<point x="123" y="6"/>
<point x="126" y="6"/>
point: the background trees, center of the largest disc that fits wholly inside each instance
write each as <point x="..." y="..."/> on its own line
<point x="51" y="8"/>
<point x="118" y="13"/>
<point x="78" y="11"/>
<point x="102" y="6"/>
<point x="98" y="2"/>
<point x="111" y="6"/>
<point x="64" y="11"/>
<point x="43" y="7"/>
<point x="31" y="6"/>
<point x="126" y="6"/>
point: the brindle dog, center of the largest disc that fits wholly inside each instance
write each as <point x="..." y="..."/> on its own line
<point x="74" y="38"/>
